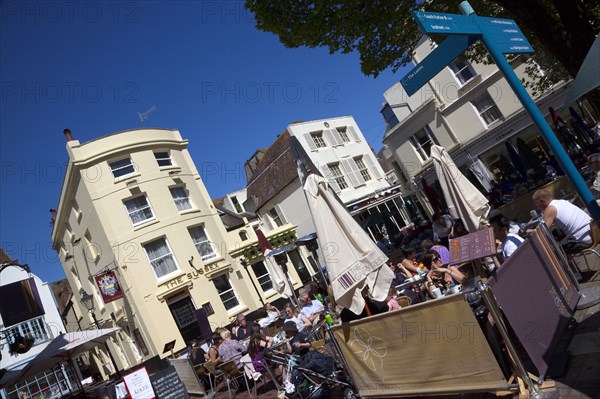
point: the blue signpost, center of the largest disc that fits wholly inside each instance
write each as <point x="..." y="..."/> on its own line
<point x="499" y="36"/>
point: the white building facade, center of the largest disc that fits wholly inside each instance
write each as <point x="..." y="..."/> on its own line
<point x="28" y="311"/>
<point x="467" y="108"/>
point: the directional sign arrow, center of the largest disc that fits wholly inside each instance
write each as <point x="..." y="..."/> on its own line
<point x="446" y="24"/>
<point x="439" y="58"/>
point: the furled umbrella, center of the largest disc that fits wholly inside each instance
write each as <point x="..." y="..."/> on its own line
<point x="564" y="134"/>
<point x="534" y="166"/>
<point x="516" y="160"/>
<point x="278" y="277"/>
<point x="463" y="199"/>
<point x="482" y="173"/>
<point x="580" y="126"/>
<point x="354" y="262"/>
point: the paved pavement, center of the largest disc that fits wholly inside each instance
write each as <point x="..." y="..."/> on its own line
<point x="575" y="370"/>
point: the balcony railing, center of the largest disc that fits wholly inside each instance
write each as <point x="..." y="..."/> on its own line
<point x="33" y="328"/>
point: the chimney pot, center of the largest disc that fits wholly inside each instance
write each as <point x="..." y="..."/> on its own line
<point x="53" y="212"/>
<point x="68" y="135"/>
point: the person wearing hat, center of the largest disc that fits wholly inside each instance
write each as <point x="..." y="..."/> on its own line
<point x="297" y="343"/>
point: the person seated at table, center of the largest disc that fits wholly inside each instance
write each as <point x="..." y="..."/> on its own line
<point x="391" y="300"/>
<point x="243" y="330"/>
<point x="495" y="214"/>
<point x="258" y="342"/>
<point x="593" y="162"/>
<point x="291" y="314"/>
<point x="198" y="355"/>
<point x="213" y="350"/>
<point x="571" y="220"/>
<point x="297" y="343"/>
<point x="507" y="242"/>
<point x="443" y="228"/>
<point x="230" y="349"/>
<point x="266" y="315"/>
<point x="442" y="251"/>
<point x="410" y="260"/>
<point x="440" y="276"/>
<point x="317" y="292"/>
<point x="312" y="308"/>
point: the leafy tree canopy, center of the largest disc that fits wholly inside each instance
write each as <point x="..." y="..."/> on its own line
<point x="385" y="34"/>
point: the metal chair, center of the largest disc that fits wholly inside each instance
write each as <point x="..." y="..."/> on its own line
<point x="203" y="375"/>
<point x="213" y="371"/>
<point x="232" y="374"/>
<point x="595" y="232"/>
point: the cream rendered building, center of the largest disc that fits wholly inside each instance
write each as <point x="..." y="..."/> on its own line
<point x="469" y="109"/>
<point x="134" y="204"/>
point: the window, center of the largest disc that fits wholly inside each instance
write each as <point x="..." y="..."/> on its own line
<point x="463" y="70"/>
<point x="160" y="256"/>
<point x="139" y="210"/>
<point x="344" y="135"/>
<point x="262" y="275"/>
<point x="243" y="236"/>
<point x="337" y="175"/>
<point x="422" y="142"/>
<point x="487" y="108"/>
<point x="275" y="218"/>
<point x="226" y="292"/>
<point x="317" y="138"/>
<point x="163" y="158"/>
<point x="236" y="204"/>
<point x="122" y="167"/>
<point x="202" y="243"/>
<point x="208" y="308"/>
<point x="362" y="168"/>
<point x="181" y="198"/>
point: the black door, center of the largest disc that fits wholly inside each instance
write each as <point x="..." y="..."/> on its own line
<point x="183" y="312"/>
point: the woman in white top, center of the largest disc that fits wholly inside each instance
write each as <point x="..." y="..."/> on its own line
<point x="291" y="314"/>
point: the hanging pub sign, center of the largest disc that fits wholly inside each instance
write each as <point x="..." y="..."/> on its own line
<point x="109" y="286"/>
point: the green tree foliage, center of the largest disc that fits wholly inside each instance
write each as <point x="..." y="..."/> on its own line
<point x="384" y="33"/>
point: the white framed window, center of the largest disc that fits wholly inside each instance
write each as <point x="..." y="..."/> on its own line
<point x="317" y="138"/>
<point x="139" y="210"/>
<point x="181" y="197"/>
<point x="263" y="277"/>
<point x="337" y="176"/>
<point x="422" y="142"/>
<point x="463" y="71"/>
<point x="122" y="167"/>
<point x="487" y="108"/>
<point x="275" y="217"/>
<point x="202" y="242"/>
<point x="226" y="292"/>
<point x="161" y="258"/>
<point x="163" y="158"/>
<point x="362" y="168"/>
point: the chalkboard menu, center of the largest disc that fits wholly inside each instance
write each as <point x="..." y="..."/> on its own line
<point x="167" y="385"/>
<point x="472" y="246"/>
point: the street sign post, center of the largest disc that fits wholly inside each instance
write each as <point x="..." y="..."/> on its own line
<point x="499" y="36"/>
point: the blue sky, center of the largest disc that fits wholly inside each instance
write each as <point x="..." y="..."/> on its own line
<point x="92" y="66"/>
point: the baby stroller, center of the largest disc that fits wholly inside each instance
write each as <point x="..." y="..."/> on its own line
<point x="312" y="376"/>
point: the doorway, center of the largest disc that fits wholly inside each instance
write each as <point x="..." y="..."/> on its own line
<point x="183" y="311"/>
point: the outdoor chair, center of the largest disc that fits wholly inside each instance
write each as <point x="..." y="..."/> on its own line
<point x="403" y="301"/>
<point x="214" y="370"/>
<point x="232" y="374"/>
<point x="204" y="375"/>
<point x="595" y="231"/>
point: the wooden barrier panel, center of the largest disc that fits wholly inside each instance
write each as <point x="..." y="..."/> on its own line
<point x="436" y="347"/>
